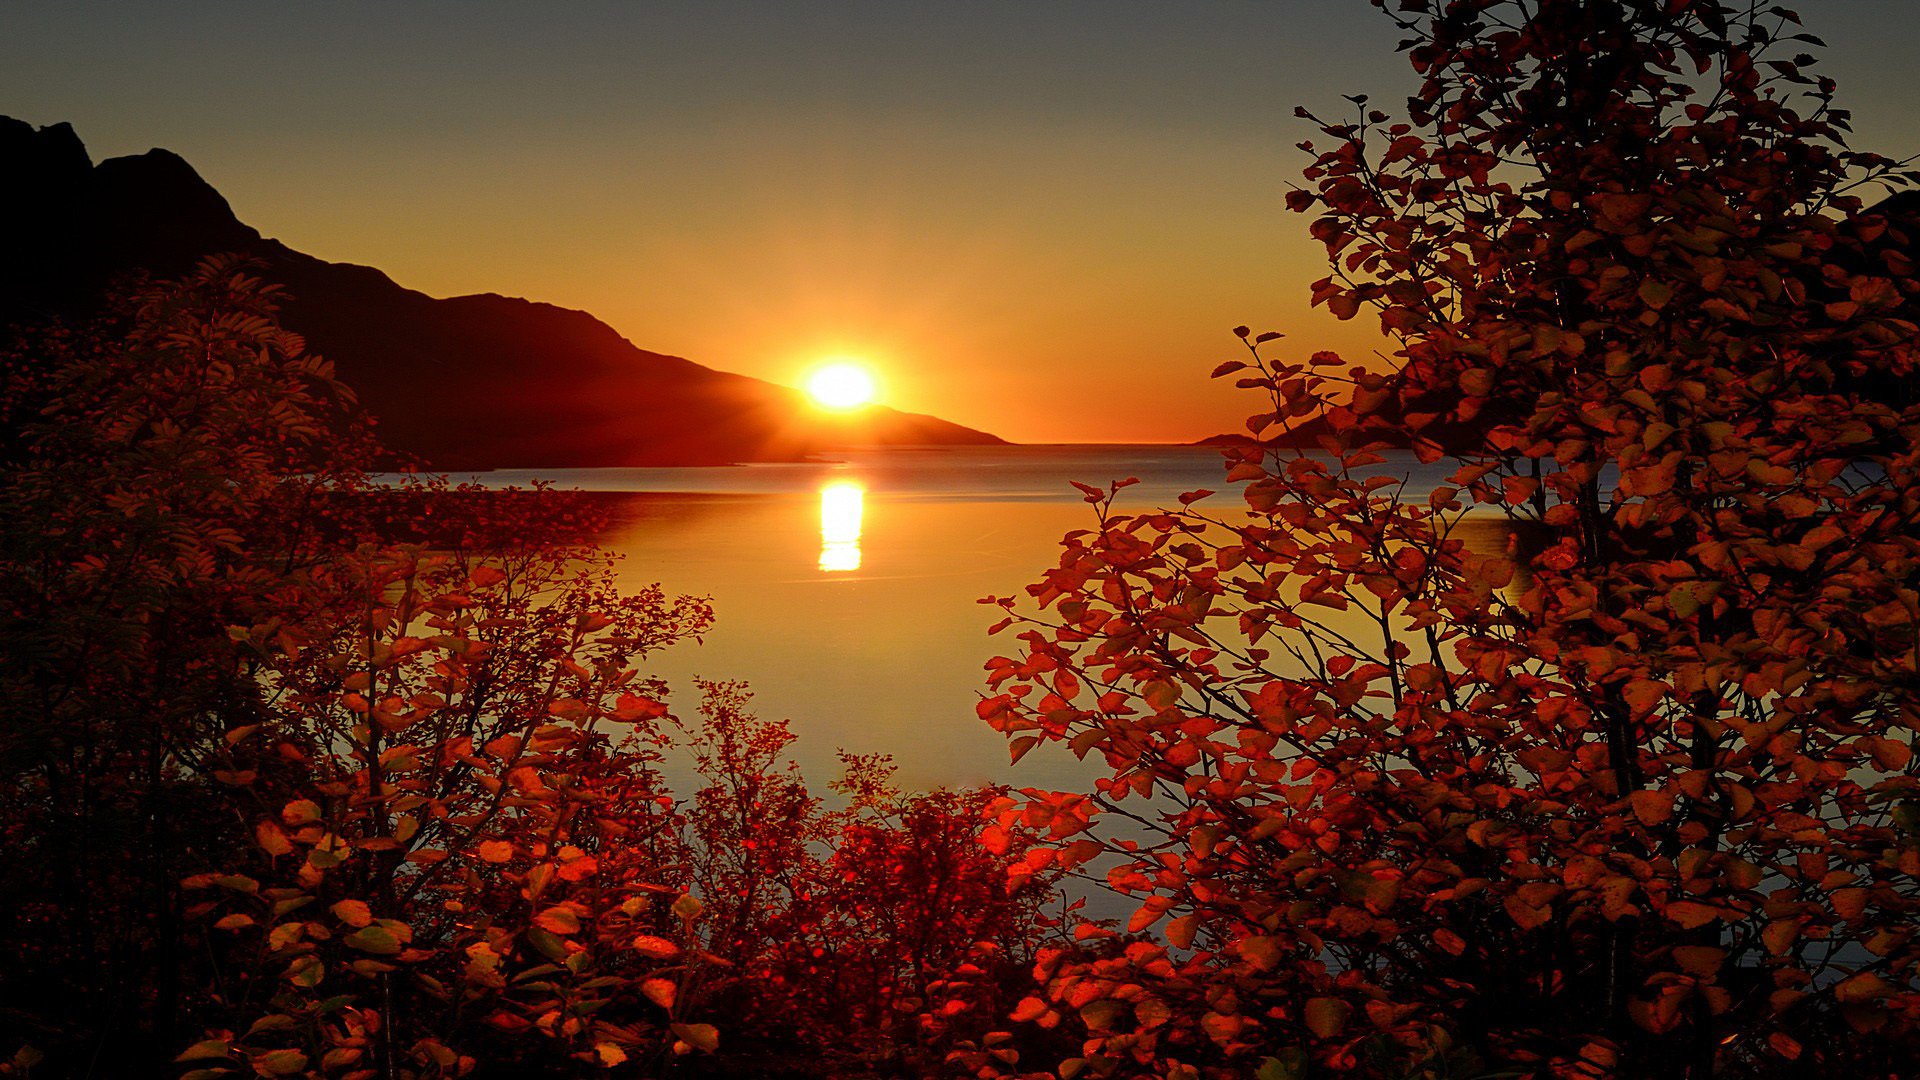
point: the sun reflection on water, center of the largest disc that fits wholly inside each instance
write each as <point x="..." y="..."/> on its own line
<point x="840" y="507"/>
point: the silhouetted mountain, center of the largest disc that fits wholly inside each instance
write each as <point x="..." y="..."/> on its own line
<point x="464" y="382"/>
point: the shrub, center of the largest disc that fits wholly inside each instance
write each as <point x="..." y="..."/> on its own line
<point x="1631" y="795"/>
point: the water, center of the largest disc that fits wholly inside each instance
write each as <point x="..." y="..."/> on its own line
<point x="846" y="593"/>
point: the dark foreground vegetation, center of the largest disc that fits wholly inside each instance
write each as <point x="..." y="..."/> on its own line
<point x="1638" y="799"/>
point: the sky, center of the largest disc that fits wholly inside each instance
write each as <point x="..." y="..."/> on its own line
<point x="1039" y="219"/>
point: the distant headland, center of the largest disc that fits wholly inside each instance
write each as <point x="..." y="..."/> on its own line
<point x="465" y="382"/>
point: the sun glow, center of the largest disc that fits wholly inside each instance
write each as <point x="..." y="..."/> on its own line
<point x="840" y="505"/>
<point x="841" y="385"/>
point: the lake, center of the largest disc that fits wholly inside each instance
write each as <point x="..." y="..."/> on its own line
<point x="845" y="593"/>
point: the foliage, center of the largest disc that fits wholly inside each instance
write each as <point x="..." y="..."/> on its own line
<point x="165" y="475"/>
<point x="309" y="776"/>
<point x="1631" y="794"/>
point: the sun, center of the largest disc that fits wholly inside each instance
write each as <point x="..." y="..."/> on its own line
<point x="841" y="385"/>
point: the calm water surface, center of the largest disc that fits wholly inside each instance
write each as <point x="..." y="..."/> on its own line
<point x="846" y="593"/>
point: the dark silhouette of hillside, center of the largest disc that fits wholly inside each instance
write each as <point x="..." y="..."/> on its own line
<point x="463" y="382"/>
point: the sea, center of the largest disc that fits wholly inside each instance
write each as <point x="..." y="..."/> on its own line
<point x="847" y="592"/>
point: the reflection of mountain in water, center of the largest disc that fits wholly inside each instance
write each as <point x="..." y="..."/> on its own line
<point x="467" y="382"/>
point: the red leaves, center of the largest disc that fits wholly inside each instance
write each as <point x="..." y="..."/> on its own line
<point x="1652" y="807"/>
<point x="633" y="709"/>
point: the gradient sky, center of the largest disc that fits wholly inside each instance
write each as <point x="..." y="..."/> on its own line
<point x="1041" y="219"/>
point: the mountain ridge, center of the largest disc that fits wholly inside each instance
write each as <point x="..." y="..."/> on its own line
<point x="481" y="380"/>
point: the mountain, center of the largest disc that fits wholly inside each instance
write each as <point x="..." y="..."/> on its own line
<point x="482" y="381"/>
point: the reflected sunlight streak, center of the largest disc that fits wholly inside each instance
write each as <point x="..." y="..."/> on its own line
<point x="840" y="507"/>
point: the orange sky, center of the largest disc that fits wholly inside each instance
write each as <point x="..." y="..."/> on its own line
<point x="1038" y="220"/>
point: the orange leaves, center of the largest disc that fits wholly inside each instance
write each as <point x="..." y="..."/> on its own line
<point x="495" y="851"/>
<point x="1326" y="1017"/>
<point x="660" y="991"/>
<point x="1643" y="695"/>
<point x="1888" y="753"/>
<point x="1691" y="914"/>
<point x="1621" y="212"/>
<point x="1032" y="1010"/>
<point x="279" y="1062"/>
<point x="1687" y="598"/>
<point x="354" y="913"/>
<point x="1181" y="931"/>
<point x="1617" y="723"/>
<point x="561" y="919"/>
<point x="1702" y="962"/>
<point x="658" y="948"/>
<point x="205" y="1050"/>
<point x="272" y="839"/>
<point x="577" y="866"/>
<point x="1780" y="935"/>
<point x="1527" y="915"/>
<point x="702" y="1037"/>
<point x="383" y="937"/>
<point x="688" y="907"/>
<point x="1264" y="953"/>
<point x="1019" y="747"/>
<point x="1344" y="305"/>
<point x="1851" y="904"/>
<point x="635" y="709"/>
<point x="1651" y="807"/>
<point x="1864" y="986"/>
<point x="1148" y="913"/>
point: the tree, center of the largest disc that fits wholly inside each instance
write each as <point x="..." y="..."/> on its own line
<point x="1632" y="793"/>
<point x="307" y="775"/>
<point x="166" y="470"/>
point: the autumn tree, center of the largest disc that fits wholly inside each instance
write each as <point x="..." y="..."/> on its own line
<point x="1630" y="793"/>
<point x="866" y="932"/>
<point x="305" y="773"/>
<point x="166" y="466"/>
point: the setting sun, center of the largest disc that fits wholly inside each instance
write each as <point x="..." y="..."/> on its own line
<point x="841" y="386"/>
